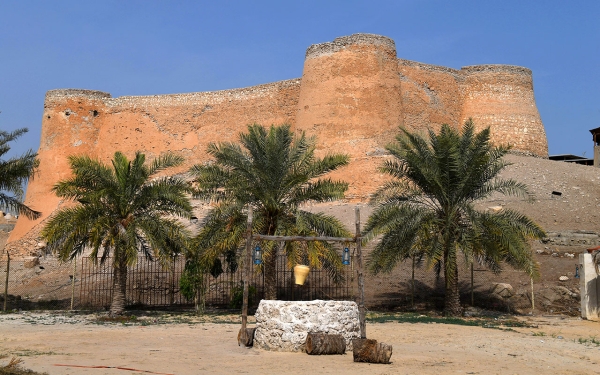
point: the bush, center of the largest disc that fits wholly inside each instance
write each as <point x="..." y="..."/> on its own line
<point x="237" y="296"/>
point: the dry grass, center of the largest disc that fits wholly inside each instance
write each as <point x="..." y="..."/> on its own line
<point x="14" y="368"/>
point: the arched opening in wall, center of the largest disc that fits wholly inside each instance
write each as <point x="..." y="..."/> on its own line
<point x="95" y="113"/>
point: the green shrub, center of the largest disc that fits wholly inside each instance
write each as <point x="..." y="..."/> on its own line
<point x="237" y="296"/>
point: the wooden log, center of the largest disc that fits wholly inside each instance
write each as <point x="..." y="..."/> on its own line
<point x="301" y="238"/>
<point x="246" y="337"/>
<point x="366" y="350"/>
<point x="322" y="343"/>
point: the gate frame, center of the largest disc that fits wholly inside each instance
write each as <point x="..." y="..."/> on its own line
<point x="242" y="336"/>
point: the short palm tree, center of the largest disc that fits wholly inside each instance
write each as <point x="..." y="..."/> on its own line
<point x="15" y="172"/>
<point x="276" y="173"/>
<point x="430" y="203"/>
<point x="119" y="212"/>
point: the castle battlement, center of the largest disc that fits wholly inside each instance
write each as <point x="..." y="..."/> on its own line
<point x="338" y="44"/>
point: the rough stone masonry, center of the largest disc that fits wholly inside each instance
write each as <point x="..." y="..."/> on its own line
<point x="284" y="325"/>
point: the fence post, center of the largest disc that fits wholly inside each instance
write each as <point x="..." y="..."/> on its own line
<point x="361" y="281"/>
<point x="472" y="287"/>
<point x="532" y="298"/>
<point x="243" y="335"/>
<point x="412" y="291"/>
<point x="6" y="283"/>
<point x="73" y="281"/>
<point x="172" y="291"/>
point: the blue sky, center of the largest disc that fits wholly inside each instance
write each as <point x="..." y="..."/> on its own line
<point x="160" y="47"/>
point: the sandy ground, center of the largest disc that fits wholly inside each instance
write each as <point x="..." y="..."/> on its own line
<point x="549" y="345"/>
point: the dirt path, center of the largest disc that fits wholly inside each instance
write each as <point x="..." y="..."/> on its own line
<point x="43" y="341"/>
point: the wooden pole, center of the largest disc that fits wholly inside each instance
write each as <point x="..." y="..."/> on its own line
<point x="73" y="282"/>
<point x="361" y="281"/>
<point x="243" y="338"/>
<point x="532" y="298"/>
<point x="301" y="238"/>
<point x="6" y="283"/>
<point x="412" y="292"/>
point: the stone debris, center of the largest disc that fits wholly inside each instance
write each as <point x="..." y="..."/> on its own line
<point x="502" y="290"/>
<point x="30" y="262"/>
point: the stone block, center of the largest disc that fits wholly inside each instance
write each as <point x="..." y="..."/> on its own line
<point x="284" y="325"/>
<point x="30" y="262"/>
<point x="590" y="288"/>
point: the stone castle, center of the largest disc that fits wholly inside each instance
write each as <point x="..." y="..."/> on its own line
<point x="353" y="95"/>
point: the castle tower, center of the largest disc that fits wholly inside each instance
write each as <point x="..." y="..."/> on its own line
<point x="350" y="99"/>
<point x="70" y="126"/>
<point x="501" y="97"/>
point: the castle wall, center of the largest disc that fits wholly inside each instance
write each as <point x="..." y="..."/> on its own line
<point x="431" y="95"/>
<point x="350" y="99"/>
<point x="353" y="95"/>
<point x="501" y="97"/>
<point x="70" y="126"/>
<point x="84" y="122"/>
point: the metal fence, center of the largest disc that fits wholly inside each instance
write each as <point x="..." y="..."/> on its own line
<point x="49" y="284"/>
<point x="38" y="283"/>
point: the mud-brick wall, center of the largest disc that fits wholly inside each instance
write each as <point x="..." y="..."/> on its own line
<point x="350" y="99"/>
<point x="353" y="95"/>
<point x="431" y="95"/>
<point x="78" y="122"/>
<point x="71" y="123"/>
<point x="501" y="97"/>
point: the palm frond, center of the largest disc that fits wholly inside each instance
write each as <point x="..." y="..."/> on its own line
<point x="275" y="172"/>
<point x="427" y="206"/>
<point x="14" y="173"/>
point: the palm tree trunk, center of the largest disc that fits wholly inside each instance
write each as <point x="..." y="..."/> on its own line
<point x="270" y="270"/>
<point x="117" y="306"/>
<point x="452" y="305"/>
<point x="270" y="264"/>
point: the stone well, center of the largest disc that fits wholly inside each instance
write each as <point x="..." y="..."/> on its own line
<point x="284" y="325"/>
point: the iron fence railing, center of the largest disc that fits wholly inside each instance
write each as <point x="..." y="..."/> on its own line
<point x="47" y="283"/>
<point x="156" y="284"/>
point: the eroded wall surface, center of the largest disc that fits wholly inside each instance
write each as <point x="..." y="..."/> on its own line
<point x="84" y="122"/>
<point x="501" y="97"/>
<point x="350" y="99"/>
<point x="353" y="94"/>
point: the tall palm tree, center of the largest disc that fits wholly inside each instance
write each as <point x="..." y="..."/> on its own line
<point x="276" y="173"/>
<point x="15" y="172"/>
<point x="430" y="202"/>
<point x="120" y="211"/>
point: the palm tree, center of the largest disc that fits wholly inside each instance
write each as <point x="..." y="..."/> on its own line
<point x="121" y="211"/>
<point x="15" y="172"/>
<point x="276" y="173"/>
<point x="430" y="203"/>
